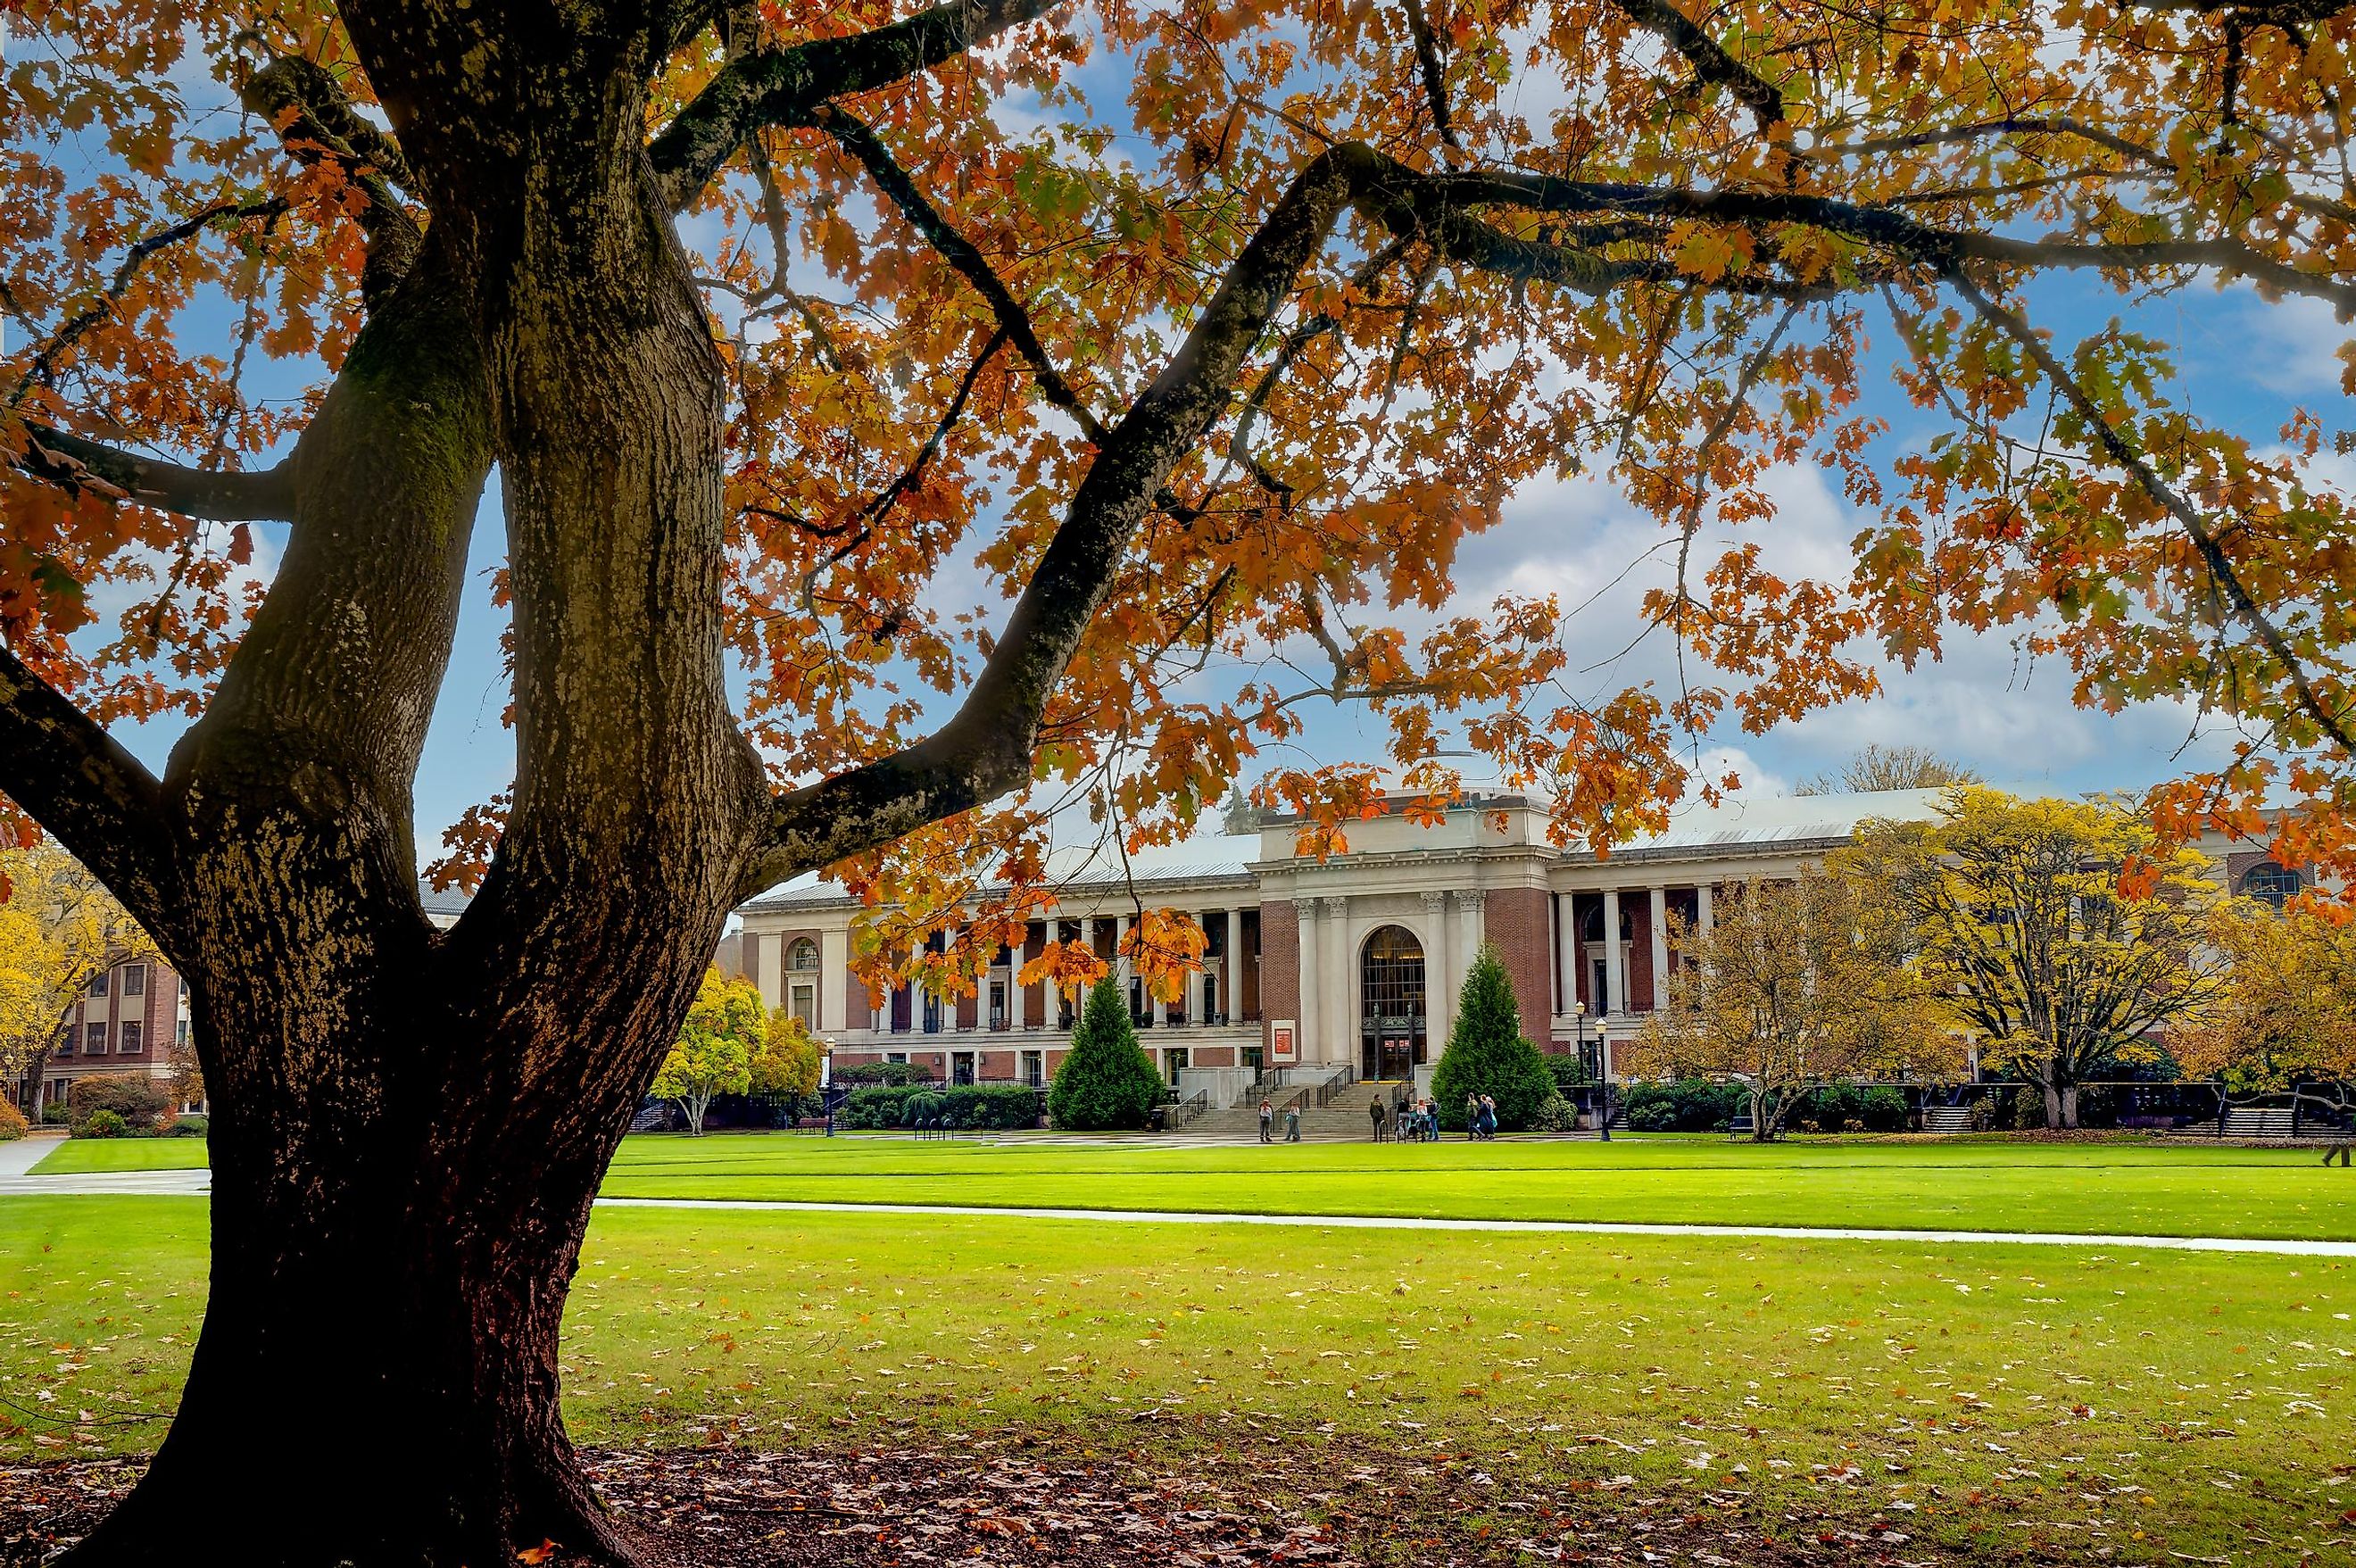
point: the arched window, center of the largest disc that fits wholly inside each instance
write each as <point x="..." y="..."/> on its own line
<point x="2272" y="884"/>
<point x="802" y="956"/>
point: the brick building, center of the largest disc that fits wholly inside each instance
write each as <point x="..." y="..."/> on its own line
<point x="129" y="1019"/>
<point x="1357" y="960"/>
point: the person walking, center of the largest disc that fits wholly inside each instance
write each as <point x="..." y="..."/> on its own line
<point x="1266" y="1120"/>
<point x="1293" y="1122"/>
<point x="1375" y="1114"/>
<point x="1471" y="1117"/>
<point x="1488" y="1117"/>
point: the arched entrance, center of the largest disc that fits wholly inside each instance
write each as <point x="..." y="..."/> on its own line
<point x="1390" y="1005"/>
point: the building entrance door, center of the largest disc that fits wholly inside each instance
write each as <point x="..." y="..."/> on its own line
<point x="1391" y="1041"/>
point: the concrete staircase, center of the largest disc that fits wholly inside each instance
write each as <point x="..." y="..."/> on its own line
<point x="1946" y="1119"/>
<point x="1343" y="1120"/>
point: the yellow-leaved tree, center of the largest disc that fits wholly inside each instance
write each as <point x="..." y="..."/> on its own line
<point x="2062" y="933"/>
<point x="788" y="1059"/>
<point x="1798" y="983"/>
<point x="58" y="928"/>
<point x="713" y="1054"/>
<point x="2285" y="1023"/>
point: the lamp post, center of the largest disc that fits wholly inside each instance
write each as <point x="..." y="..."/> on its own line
<point x="1590" y="1064"/>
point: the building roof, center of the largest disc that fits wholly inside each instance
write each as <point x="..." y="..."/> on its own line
<point x="1212" y="858"/>
<point x="442" y="908"/>
<point x="1755" y="824"/>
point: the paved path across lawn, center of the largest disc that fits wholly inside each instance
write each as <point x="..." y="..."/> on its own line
<point x="18" y="1156"/>
<point x="1540" y="1226"/>
<point x="197" y="1183"/>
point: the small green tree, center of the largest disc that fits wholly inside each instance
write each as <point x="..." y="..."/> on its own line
<point x="713" y="1053"/>
<point x="1107" y="1080"/>
<point x="1486" y="1052"/>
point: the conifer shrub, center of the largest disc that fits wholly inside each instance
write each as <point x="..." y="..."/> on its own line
<point x="1106" y="1082"/>
<point x="1487" y="1054"/>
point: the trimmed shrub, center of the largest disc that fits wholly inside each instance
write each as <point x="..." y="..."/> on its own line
<point x="1882" y="1110"/>
<point x="1686" y="1105"/>
<point x="1652" y="1116"/>
<point x="995" y="1107"/>
<point x="192" y="1124"/>
<point x="101" y="1123"/>
<point x="137" y="1099"/>
<point x="1555" y="1115"/>
<point x="12" y="1122"/>
<point x="53" y="1114"/>
<point x="1105" y="1081"/>
<point x="1486" y="1052"/>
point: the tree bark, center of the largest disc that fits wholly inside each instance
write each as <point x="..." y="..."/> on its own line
<point x="380" y="1344"/>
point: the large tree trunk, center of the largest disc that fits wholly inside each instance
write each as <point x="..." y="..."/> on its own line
<point x="376" y="1381"/>
<point x="412" y="1125"/>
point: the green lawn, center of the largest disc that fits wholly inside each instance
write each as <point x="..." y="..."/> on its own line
<point x="1995" y="1398"/>
<point x="2169" y="1188"/>
<point x="76" y="1156"/>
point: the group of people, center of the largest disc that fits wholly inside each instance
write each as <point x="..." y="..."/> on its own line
<point x="1267" y="1121"/>
<point x="1480" y="1117"/>
<point x="1413" y="1122"/>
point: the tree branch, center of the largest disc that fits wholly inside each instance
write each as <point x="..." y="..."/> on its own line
<point x="985" y="751"/>
<point x="72" y="463"/>
<point x="1435" y="73"/>
<point x="2246" y="608"/>
<point x="1710" y="63"/>
<point x="42" y="372"/>
<point x="77" y="782"/>
<point x="784" y="87"/>
<point x="855" y="138"/>
<point x="312" y="114"/>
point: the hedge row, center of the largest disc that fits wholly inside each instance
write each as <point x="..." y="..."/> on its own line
<point x="1698" y="1105"/>
<point x="999" y="1107"/>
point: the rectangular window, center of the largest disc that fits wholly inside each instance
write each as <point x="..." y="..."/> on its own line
<point x="94" y="1040"/>
<point x="1034" y="1067"/>
<point x="135" y="980"/>
<point x="806" y="1005"/>
<point x="130" y="1046"/>
<point x="97" y="984"/>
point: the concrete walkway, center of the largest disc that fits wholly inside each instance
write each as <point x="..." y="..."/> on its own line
<point x="2295" y="1249"/>
<point x="197" y="1182"/>
<point x="21" y="1154"/>
<point x="146" y="1183"/>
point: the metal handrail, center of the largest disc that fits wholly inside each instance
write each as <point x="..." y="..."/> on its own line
<point x="1182" y="1114"/>
<point x="1339" y="1079"/>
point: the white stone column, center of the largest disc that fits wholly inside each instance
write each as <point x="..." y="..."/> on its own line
<point x="1088" y="943"/>
<point x="1660" y="897"/>
<point x="1340" y="975"/>
<point x="1439" y="978"/>
<point x="1014" y="962"/>
<point x="1615" y="963"/>
<point x="833" y="982"/>
<point x="1705" y="916"/>
<point x="1469" y="930"/>
<point x="1120" y="969"/>
<point x="1307" y="1041"/>
<point x="1231" y="970"/>
<point x="1565" y="941"/>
